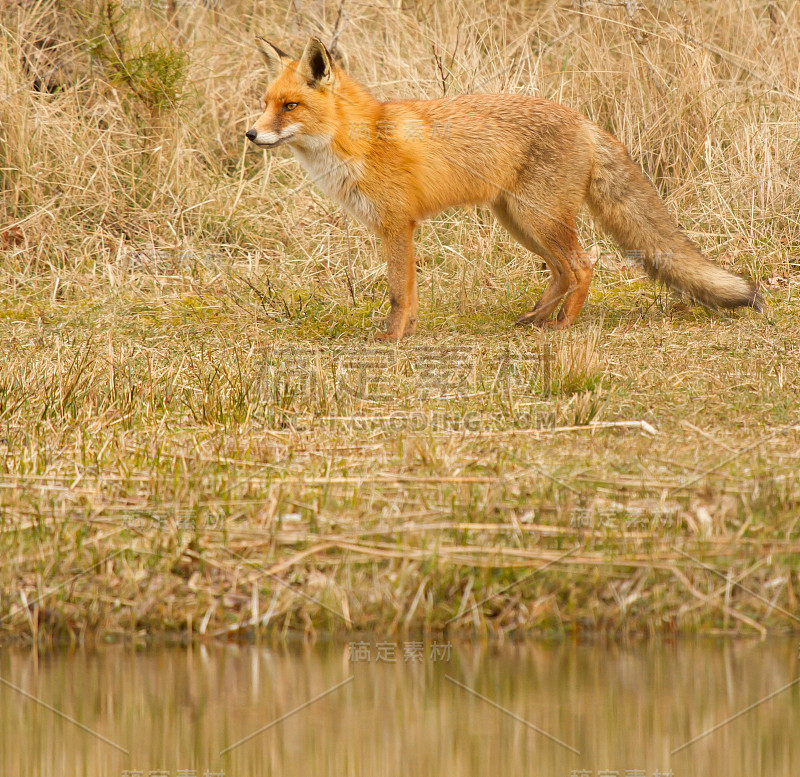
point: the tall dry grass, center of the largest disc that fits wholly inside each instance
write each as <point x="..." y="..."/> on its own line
<point x="706" y="98"/>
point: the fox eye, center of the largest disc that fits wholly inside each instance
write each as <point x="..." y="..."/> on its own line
<point x="289" y="106"/>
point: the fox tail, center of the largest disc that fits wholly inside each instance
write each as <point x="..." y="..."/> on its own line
<point x="628" y="207"/>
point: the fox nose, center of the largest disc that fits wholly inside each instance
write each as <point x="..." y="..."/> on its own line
<point x="251" y="134"/>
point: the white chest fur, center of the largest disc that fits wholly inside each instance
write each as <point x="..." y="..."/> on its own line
<point x="338" y="178"/>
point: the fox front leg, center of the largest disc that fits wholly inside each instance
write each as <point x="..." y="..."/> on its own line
<point x="398" y="246"/>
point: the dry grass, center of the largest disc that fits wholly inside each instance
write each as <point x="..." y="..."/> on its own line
<point x="196" y="432"/>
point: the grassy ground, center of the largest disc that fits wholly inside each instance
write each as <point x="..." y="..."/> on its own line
<point x="198" y="434"/>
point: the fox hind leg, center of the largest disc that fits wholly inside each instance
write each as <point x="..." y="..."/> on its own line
<point x="582" y="263"/>
<point x="562" y="242"/>
<point x="559" y="281"/>
<point x="556" y="241"/>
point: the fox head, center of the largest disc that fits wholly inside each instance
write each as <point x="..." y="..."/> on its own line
<point x="298" y="108"/>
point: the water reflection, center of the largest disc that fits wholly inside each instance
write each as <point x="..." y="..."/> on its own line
<point x="410" y="709"/>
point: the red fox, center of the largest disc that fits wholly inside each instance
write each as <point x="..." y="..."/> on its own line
<point x="534" y="162"/>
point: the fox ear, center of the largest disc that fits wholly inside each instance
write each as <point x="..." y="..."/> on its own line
<point x="275" y="58"/>
<point x="316" y="65"/>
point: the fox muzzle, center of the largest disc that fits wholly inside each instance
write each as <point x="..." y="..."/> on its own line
<point x="268" y="139"/>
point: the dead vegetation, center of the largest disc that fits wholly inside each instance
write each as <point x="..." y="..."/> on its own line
<point x="196" y="433"/>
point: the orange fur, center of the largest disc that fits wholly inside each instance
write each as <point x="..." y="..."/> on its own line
<point x="392" y="164"/>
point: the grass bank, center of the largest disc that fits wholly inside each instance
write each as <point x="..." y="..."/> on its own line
<point x="197" y="433"/>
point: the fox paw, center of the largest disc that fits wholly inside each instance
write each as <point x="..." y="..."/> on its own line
<point x="387" y="337"/>
<point x="537" y="320"/>
<point x="532" y="317"/>
<point x="397" y="330"/>
<point x="557" y="323"/>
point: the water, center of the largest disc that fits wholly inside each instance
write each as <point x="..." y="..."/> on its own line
<point x="625" y="708"/>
